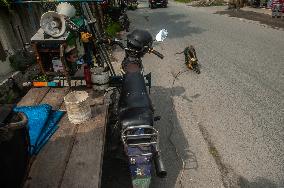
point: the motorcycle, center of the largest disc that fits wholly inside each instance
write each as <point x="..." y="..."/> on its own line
<point x="133" y="127"/>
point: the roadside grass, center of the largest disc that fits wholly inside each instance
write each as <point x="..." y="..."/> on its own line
<point x="203" y="3"/>
<point x="218" y="3"/>
<point x="184" y="1"/>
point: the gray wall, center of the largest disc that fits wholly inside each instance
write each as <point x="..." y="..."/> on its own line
<point x="27" y="17"/>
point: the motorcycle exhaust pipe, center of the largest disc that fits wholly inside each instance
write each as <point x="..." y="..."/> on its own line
<point x="159" y="166"/>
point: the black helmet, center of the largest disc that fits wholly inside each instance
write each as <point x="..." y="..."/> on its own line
<point x="139" y="40"/>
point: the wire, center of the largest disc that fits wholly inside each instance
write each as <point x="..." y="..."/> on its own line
<point x="176" y="77"/>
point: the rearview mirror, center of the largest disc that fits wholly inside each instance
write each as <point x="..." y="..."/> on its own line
<point x="162" y="35"/>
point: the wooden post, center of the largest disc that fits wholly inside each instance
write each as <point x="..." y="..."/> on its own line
<point x="99" y="17"/>
<point x="38" y="58"/>
<point x="65" y="69"/>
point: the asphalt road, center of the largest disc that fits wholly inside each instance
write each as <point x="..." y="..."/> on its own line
<point x="224" y="127"/>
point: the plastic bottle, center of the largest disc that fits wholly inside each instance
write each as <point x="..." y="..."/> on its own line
<point x="87" y="76"/>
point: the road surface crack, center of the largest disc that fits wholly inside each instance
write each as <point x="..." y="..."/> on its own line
<point x="229" y="178"/>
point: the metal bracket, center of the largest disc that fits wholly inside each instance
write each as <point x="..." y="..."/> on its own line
<point x="148" y="77"/>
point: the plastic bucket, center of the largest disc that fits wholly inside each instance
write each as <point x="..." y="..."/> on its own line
<point x="14" y="147"/>
<point x="100" y="79"/>
<point x="78" y="106"/>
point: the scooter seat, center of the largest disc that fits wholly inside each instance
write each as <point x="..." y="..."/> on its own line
<point x="134" y="93"/>
<point x="136" y="116"/>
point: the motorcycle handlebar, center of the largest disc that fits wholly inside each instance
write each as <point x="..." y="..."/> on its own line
<point x="156" y="53"/>
<point x="118" y="43"/>
<point x="113" y="42"/>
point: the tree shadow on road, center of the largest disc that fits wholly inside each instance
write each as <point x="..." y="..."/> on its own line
<point x="173" y="143"/>
<point x="177" y="25"/>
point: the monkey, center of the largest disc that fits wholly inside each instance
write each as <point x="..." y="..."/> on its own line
<point x="191" y="60"/>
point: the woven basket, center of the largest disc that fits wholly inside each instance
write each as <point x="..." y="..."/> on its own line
<point x="78" y="106"/>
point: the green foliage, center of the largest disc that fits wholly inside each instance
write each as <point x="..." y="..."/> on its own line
<point x="5" y="3"/>
<point x="184" y="1"/>
<point x="41" y="78"/>
<point x="218" y="3"/>
<point x="77" y="6"/>
<point x="112" y="28"/>
<point x="203" y="3"/>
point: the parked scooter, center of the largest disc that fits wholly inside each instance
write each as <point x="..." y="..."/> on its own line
<point x="134" y="124"/>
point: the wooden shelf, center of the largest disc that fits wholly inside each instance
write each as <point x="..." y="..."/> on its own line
<point x="48" y="50"/>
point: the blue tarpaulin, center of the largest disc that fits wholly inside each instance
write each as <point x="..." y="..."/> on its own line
<point x="42" y="123"/>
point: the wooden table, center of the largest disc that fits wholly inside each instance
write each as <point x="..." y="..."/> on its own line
<point x="74" y="154"/>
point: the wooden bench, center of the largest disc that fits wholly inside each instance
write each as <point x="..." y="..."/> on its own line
<point x="74" y="154"/>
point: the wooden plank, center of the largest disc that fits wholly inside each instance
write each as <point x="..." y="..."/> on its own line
<point x="96" y="97"/>
<point x="55" y="97"/>
<point x="85" y="163"/>
<point x="59" y="157"/>
<point x="34" y="96"/>
<point x="49" y="166"/>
